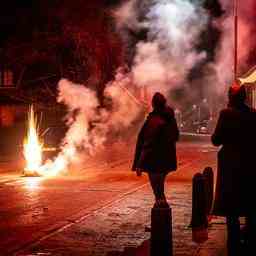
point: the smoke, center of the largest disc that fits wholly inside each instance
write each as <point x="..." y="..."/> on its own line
<point x="127" y="16"/>
<point x="168" y="35"/>
<point x="165" y="37"/>
<point x="89" y="124"/>
<point x="224" y="64"/>
<point x="125" y="107"/>
<point x="164" y="59"/>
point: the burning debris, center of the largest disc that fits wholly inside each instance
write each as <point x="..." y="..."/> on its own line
<point x="89" y="126"/>
<point x="33" y="147"/>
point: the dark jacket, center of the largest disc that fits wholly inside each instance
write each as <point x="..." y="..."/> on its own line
<point x="235" y="132"/>
<point x="156" y="143"/>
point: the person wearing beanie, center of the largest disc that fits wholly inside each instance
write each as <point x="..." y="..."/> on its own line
<point x="236" y="174"/>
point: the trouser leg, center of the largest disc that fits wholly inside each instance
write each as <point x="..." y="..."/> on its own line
<point x="157" y="183"/>
<point x="233" y="236"/>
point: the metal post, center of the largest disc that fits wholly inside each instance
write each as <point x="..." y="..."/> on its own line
<point x="209" y="176"/>
<point x="161" y="232"/>
<point x="199" y="221"/>
<point x="199" y="202"/>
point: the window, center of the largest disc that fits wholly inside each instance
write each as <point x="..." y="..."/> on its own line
<point x="6" y="78"/>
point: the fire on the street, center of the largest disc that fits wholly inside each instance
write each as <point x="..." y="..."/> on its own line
<point x="33" y="147"/>
<point x="33" y="152"/>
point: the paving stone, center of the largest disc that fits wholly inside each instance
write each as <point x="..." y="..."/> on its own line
<point x="121" y="225"/>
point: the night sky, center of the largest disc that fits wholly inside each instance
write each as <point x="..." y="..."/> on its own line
<point x="17" y="17"/>
<point x="25" y="14"/>
<point x="11" y="13"/>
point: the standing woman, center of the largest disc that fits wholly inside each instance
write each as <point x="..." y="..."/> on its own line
<point x="234" y="132"/>
<point x="156" y="147"/>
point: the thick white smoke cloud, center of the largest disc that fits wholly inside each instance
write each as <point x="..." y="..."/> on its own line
<point x="82" y="105"/>
<point x="89" y="125"/>
<point x="163" y="61"/>
<point x="125" y="107"/>
<point x="174" y="27"/>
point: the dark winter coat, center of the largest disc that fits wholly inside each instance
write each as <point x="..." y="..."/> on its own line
<point x="235" y="131"/>
<point x="156" y="143"/>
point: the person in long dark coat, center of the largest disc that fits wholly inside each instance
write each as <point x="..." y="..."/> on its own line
<point x="156" y="146"/>
<point x="236" y="171"/>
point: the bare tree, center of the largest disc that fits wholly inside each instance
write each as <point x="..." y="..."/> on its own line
<point x="71" y="39"/>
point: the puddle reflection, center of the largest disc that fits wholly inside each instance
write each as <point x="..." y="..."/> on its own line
<point x="33" y="183"/>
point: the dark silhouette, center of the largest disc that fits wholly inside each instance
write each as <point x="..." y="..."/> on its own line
<point x="156" y="146"/>
<point x="236" y="176"/>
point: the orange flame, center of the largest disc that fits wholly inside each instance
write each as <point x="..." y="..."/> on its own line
<point x="32" y="146"/>
<point x="33" y="152"/>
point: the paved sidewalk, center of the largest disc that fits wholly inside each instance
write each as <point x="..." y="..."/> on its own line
<point x="216" y="244"/>
<point x="119" y="229"/>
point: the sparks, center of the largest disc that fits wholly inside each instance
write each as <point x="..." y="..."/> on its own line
<point x="33" y="153"/>
<point x="32" y="146"/>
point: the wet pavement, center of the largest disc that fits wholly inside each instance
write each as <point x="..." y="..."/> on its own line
<point x="119" y="225"/>
<point x="101" y="211"/>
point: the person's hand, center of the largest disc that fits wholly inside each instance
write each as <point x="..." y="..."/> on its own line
<point x="138" y="172"/>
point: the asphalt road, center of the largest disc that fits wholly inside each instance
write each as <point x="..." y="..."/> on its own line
<point x="34" y="208"/>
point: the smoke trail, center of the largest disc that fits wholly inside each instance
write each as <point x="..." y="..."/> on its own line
<point x="89" y="124"/>
<point x="125" y="108"/>
<point x="82" y="105"/>
<point x="165" y="58"/>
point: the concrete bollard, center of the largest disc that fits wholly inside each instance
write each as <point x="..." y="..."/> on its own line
<point x="161" y="232"/>
<point x="199" y="204"/>
<point x="209" y="176"/>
